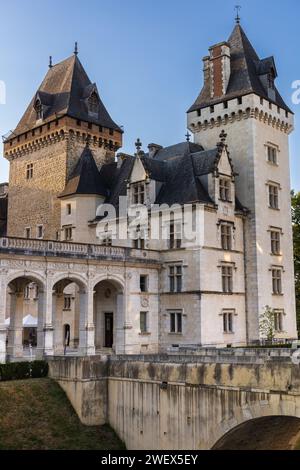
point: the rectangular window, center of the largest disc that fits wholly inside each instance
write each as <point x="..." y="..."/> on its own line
<point x="69" y="209"/>
<point x="139" y="193"/>
<point x="199" y="112"/>
<point x="68" y="233"/>
<point x="29" y="171"/>
<point x="39" y="231"/>
<point x="212" y="108"/>
<point x="272" y="154"/>
<point x="275" y="242"/>
<point x="278" y="320"/>
<point x="111" y="132"/>
<point x="277" y="281"/>
<point x="225" y="104"/>
<point x="67" y="302"/>
<point x="175" y="235"/>
<point x="240" y="100"/>
<point x="144" y="322"/>
<point x="175" y="278"/>
<point x="144" y="283"/>
<point x="273" y="197"/>
<point x="228" y="322"/>
<point x="224" y="186"/>
<point x="176" y="322"/>
<point x="227" y="279"/>
<point x="261" y="101"/>
<point x="226" y="236"/>
<point x="27" y="232"/>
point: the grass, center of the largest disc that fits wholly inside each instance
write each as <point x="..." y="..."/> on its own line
<point x="35" y="414"/>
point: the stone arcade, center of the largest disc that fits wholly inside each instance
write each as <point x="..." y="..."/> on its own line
<point x="92" y="294"/>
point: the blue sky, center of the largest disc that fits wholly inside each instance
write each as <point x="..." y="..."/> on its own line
<point x="146" y="56"/>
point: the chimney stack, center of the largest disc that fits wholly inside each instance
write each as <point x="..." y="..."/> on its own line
<point x="219" y="69"/>
<point x="153" y="149"/>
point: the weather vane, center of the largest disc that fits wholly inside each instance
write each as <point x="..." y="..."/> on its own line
<point x="238" y="9"/>
<point x="188" y="136"/>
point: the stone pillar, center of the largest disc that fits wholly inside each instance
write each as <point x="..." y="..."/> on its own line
<point x="58" y="305"/>
<point x="3" y="330"/>
<point x="126" y="347"/>
<point x="40" y="325"/>
<point x="48" y="321"/>
<point x="120" y="324"/>
<point x="15" y="332"/>
<point x="86" y="322"/>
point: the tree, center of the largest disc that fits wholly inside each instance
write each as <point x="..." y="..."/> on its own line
<point x="267" y="323"/>
<point x="296" y="237"/>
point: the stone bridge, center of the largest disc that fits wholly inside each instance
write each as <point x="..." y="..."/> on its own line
<point x="209" y="400"/>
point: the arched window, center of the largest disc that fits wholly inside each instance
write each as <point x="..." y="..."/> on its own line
<point x="93" y="103"/>
<point x="38" y="109"/>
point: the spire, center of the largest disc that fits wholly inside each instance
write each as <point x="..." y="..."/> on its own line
<point x="76" y="48"/>
<point x="238" y="18"/>
<point x="50" y="62"/>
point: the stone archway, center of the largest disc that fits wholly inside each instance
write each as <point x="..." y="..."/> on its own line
<point x="24" y="299"/>
<point x="266" y="433"/>
<point x="69" y="305"/>
<point x="109" y="315"/>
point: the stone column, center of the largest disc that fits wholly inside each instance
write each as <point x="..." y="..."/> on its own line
<point x="120" y="324"/>
<point x="58" y="305"/>
<point x="48" y="320"/>
<point x="3" y="330"/>
<point x="86" y="322"/>
<point x="125" y="347"/>
<point x="40" y="325"/>
<point x="15" y="332"/>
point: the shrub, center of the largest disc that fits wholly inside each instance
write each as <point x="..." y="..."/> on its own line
<point x="23" y="370"/>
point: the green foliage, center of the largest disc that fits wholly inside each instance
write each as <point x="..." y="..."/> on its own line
<point x="23" y="370"/>
<point x="267" y="324"/>
<point x="296" y="236"/>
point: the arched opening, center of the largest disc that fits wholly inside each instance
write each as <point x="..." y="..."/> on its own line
<point x="267" y="433"/>
<point x="24" y="317"/>
<point x="68" y="311"/>
<point x="109" y="316"/>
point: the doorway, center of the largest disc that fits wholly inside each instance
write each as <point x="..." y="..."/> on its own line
<point x="108" y="329"/>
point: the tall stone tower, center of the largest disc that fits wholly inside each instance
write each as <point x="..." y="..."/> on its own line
<point x="240" y="96"/>
<point x="47" y="143"/>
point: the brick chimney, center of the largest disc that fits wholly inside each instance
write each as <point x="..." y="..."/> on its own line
<point x="219" y="69"/>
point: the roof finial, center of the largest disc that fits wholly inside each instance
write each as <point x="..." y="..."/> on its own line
<point x="138" y="145"/>
<point x="238" y="18"/>
<point x="50" y="61"/>
<point x="76" y="48"/>
<point x="188" y="136"/>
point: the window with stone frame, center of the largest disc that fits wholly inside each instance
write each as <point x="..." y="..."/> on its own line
<point x="144" y="283"/>
<point x="138" y="193"/>
<point x="67" y="302"/>
<point x="68" y="233"/>
<point x="144" y="322"/>
<point x="38" y="109"/>
<point x="139" y="241"/>
<point x="29" y="171"/>
<point x="175" y="235"/>
<point x="27" y="232"/>
<point x="277" y="281"/>
<point x="176" y="322"/>
<point x="93" y="103"/>
<point x="175" y="278"/>
<point x="228" y="319"/>
<point x="225" y="189"/>
<point x="226" y="236"/>
<point x="273" y="196"/>
<point x="227" y="279"/>
<point x="39" y="231"/>
<point x="106" y="238"/>
<point x="275" y="242"/>
<point x="272" y="154"/>
<point x="278" y="320"/>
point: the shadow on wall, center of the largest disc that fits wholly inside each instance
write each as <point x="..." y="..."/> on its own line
<point x="268" y="433"/>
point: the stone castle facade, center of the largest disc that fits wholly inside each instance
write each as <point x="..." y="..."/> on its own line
<point x="96" y="290"/>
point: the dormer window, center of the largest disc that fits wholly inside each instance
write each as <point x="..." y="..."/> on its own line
<point x="93" y="103"/>
<point x="271" y="80"/>
<point x="38" y="109"/>
<point x="139" y="193"/>
<point x="224" y="190"/>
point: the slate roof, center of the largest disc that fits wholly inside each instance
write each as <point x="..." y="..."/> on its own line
<point x="3" y="215"/>
<point x="246" y="67"/>
<point x="64" y="91"/>
<point x="85" y="178"/>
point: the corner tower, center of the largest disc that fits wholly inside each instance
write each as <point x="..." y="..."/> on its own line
<point x="239" y="95"/>
<point x="46" y="144"/>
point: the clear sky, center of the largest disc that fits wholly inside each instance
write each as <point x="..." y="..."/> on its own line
<point x="145" y="55"/>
